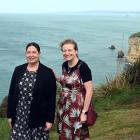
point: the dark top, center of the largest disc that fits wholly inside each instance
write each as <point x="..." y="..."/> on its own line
<point x="44" y="96"/>
<point x="85" y="71"/>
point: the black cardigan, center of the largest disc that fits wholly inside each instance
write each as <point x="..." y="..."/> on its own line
<point x="44" y="96"/>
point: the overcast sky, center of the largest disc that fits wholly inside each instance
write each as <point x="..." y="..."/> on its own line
<point x="47" y="6"/>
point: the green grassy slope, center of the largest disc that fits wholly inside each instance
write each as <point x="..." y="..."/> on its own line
<point x="118" y="117"/>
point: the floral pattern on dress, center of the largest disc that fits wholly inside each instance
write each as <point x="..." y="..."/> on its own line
<point x="70" y="105"/>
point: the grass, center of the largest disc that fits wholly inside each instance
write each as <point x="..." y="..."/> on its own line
<point x="123" y="124"/>
<point x="118" y="117"/>
<point x="119" y="99"/>
<point x="135" y="35"/>
<point x="4" y="129"/>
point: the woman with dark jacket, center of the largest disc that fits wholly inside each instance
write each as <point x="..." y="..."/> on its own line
<point x="31" y="99"/>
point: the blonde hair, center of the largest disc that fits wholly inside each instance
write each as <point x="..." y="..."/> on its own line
<point x="69" y="41"/>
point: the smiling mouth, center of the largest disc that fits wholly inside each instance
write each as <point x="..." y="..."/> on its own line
<point x="67" y="56"/>
<point x="31" y="59"/>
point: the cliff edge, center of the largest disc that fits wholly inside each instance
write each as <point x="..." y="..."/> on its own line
<point x="134" y="47"/>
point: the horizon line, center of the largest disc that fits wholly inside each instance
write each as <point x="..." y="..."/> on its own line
<point x="61" y="12"/>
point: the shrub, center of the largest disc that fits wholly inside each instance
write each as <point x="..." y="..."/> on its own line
<point x="112" y="85"/>
<point x="3" y="108"/>
<point x="132" y="73"/>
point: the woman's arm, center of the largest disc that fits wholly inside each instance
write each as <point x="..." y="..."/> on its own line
<point x="11" y="100"/>
<point x="89" y="92"/>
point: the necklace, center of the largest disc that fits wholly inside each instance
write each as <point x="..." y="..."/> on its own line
<point x="72" y="64"/>
<point x="69" y="69"/>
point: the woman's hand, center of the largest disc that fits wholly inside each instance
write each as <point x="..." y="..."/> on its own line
<point x="83" y="118"/>
<point x="47" y="126"/>
<point x="10" y="122"/>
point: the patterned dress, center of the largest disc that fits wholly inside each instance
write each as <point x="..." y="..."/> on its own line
<point x="70" y="105"/>
<point x="20" y="129"/>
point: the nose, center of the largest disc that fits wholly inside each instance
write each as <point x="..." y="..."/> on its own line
<point x="66" y="52"/>
<point x="30" y="54"/>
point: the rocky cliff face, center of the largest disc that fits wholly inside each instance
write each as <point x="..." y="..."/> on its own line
<point x="134" y="47"/>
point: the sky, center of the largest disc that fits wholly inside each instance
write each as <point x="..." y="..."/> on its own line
<point x="48" y="6"/>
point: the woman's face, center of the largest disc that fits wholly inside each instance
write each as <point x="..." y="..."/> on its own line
<point x="32" y="55"/>
<point x="69" y="53"/>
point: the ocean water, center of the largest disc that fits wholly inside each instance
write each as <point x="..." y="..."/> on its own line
<point x="94" y="33"/>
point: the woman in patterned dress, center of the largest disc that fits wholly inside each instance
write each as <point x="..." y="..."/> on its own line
<point x="31" y="99"/>
<point x="76" y="94"/>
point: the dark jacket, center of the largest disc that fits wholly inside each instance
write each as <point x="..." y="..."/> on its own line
<point x="44" y="96"/>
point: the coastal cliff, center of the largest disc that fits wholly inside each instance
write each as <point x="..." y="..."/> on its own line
<point x="134" y="47"/>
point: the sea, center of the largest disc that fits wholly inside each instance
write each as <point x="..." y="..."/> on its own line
<point x="94" y="32"/>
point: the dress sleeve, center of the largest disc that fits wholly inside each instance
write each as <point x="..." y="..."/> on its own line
<point x="85" y="72"/>
<point x="51" y="98"/>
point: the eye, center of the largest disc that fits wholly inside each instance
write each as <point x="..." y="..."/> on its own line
<point x="64" y="50"/>
<point x="28" y="52"/>
<point x="69" y="50"/>
<point x="34" y="52"/>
